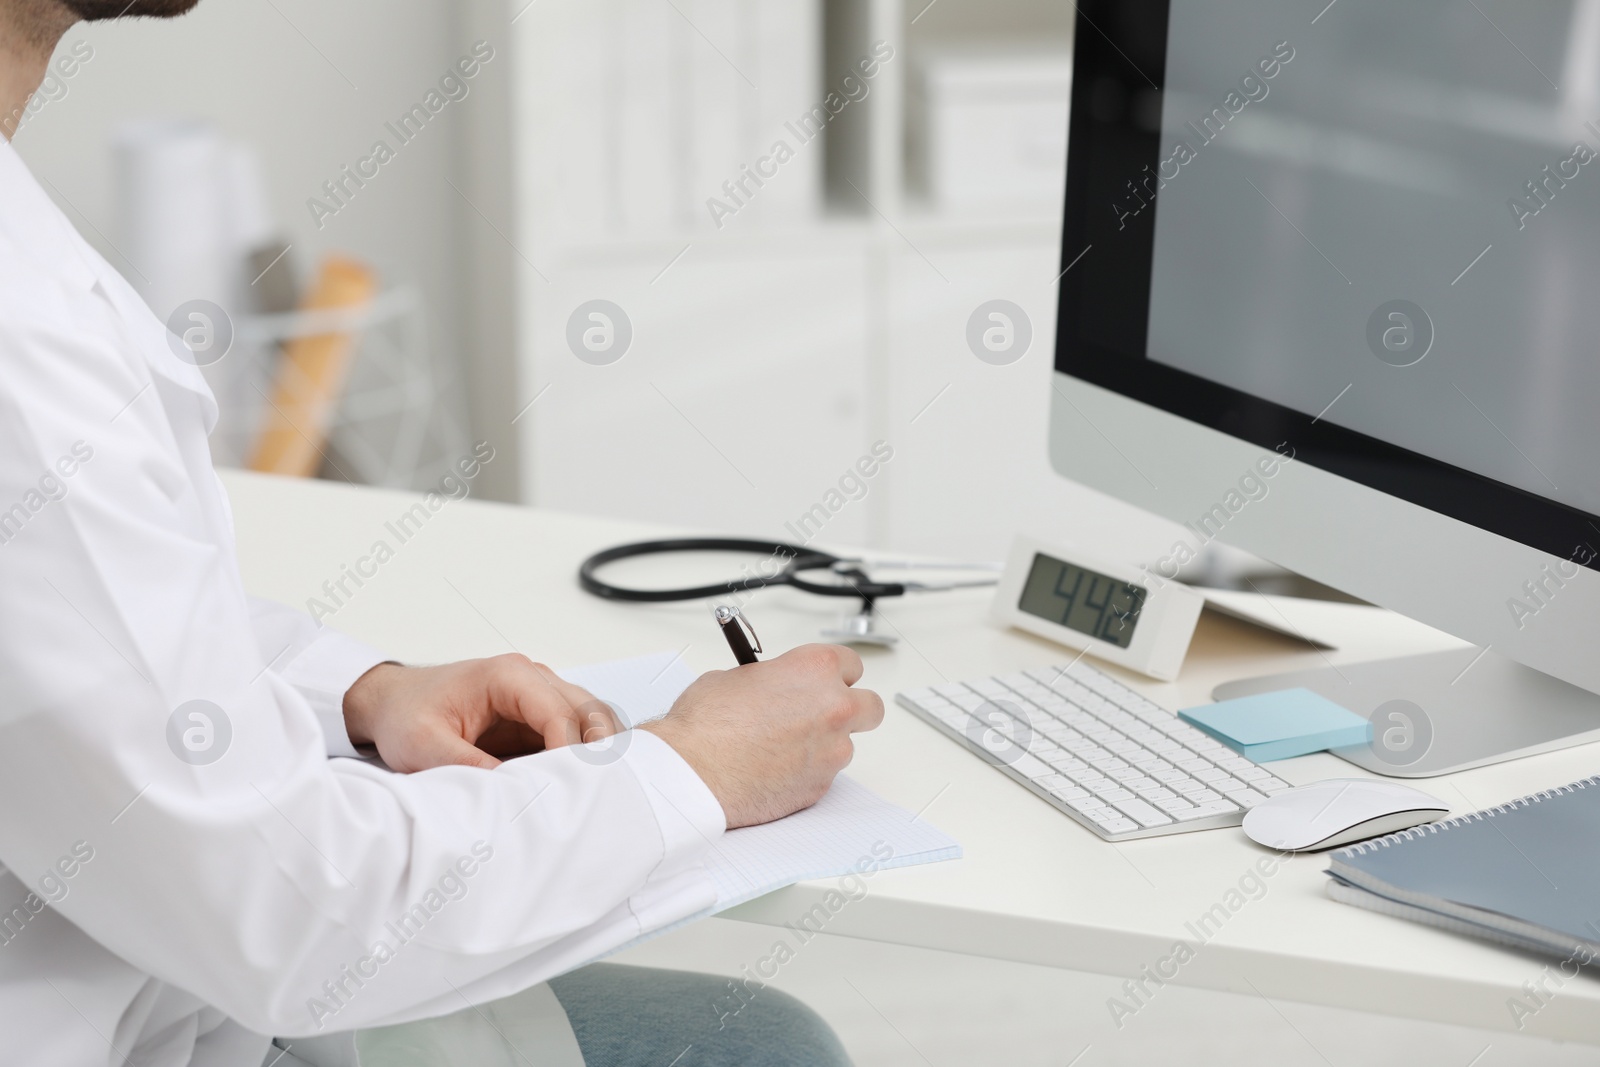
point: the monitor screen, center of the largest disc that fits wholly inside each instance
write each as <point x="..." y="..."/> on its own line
<point x="1369" y="229"/>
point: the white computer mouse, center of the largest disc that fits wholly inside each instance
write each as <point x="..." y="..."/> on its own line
<point x="1337" y="812"/>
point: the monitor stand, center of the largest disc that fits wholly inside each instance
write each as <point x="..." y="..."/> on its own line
<point x="1440" y="711"/>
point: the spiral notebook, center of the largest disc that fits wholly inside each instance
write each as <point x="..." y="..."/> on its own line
<point x="1526" y="873"/>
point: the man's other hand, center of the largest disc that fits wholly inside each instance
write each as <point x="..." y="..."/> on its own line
<point x="768" y="738"/>
<point x="475" y="712"/>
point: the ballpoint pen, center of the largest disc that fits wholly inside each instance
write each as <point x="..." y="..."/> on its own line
<point x="733" y="625"/>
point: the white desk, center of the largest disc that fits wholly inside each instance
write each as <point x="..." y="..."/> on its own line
<point x="1034" y="887"/>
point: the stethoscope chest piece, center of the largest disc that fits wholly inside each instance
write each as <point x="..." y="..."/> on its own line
<point x="860" y="629"/>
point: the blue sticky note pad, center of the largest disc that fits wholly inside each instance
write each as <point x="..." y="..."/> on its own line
<point x="1289" y="722"/>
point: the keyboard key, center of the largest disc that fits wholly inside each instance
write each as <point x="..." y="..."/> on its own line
<point x="1066" y="764"/>
<point x="1174" y="806"/>
<point x="1246" y="798"/>
<point x="1123" y="773"/>
<point x="1068" y="792"/>
<point x="1208" y="809"/>
<point x="1250" y="774"/>
<point x="1113" y="793"/>
<point x="1235" y="763"/>
<point x="1169" y="774"/>
<point x="1198" y="741"/>
<point x="1227" y="785"/>
<point x="1142" y="813"/>
<point x="1116" y="826"/>
<point x="1029" y="766"/>
<point x="1189" y="786"/>
<point x="1271" y="786"/>
<point x="1204" y="796"/>
<point x="1207" y="774"/>
<point x="1154" y="793"/>
<point x="1087" y="804"/>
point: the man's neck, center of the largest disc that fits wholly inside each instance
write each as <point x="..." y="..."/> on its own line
<point x="29" y="32"/>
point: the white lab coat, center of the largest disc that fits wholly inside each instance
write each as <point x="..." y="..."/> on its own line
<point x="195" y="908"/>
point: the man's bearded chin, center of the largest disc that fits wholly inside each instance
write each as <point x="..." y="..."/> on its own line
<point x="97" y="10"/>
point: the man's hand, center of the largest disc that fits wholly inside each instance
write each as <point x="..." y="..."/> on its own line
<point x="470" y="712"/>
<point x="768" y="738"/>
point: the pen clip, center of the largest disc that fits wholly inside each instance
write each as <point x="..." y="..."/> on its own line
<point x="726" y="614"/>
<point x="755" y="640"/>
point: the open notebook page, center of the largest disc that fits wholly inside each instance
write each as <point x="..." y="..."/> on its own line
<point x="847" y="829"/>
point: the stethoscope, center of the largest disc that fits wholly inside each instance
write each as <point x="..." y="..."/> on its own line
<point x="786" y="564"/>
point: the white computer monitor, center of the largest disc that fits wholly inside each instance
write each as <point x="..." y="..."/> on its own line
<point x="1333" y="297"/>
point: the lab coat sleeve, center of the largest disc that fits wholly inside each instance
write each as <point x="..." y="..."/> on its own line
<point x="168" y="792"/>
<point x="320" y="662"/>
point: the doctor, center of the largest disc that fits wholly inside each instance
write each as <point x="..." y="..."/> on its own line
<point x="160" y="906"/>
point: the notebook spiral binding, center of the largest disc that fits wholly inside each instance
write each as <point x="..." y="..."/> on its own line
<point x="1476" y="816"/>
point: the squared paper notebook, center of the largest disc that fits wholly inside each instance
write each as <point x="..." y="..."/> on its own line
<point x="1526" y="873"/>
<point x="827" y="840"/>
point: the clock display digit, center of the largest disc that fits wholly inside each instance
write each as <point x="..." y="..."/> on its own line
<point x="1093" y="604"/>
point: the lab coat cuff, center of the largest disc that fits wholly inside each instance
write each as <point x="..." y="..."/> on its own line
<point x="689" y="816"/>
<point x="323" y="672"/>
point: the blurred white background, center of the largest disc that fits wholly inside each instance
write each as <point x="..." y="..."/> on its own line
<point x="828" y="311"/>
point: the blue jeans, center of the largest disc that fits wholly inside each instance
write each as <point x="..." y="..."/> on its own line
<point x="615" y="1016"/>
<point x="642" y="1017"/>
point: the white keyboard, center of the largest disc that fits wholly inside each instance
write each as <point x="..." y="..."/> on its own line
<point x="1119" y="764"/>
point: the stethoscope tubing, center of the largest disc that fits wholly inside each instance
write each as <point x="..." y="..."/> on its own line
<point x="797" y="559"/>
